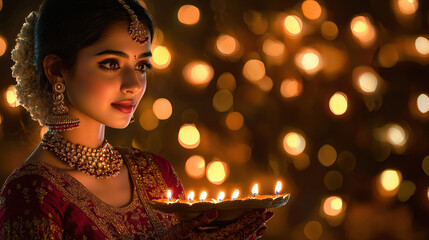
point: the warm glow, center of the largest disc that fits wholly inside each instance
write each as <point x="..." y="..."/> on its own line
<point x="311" y="9"/>
<point x="223" y="100"/>
<point x="161" y="58"/>
<point x="188" y="14"/>
<point x="235" y="195"/>
<point x="3" y="45"/>
<point x="221" y="196"/>
<point x="191" y="196"/>
<point x="1" y="5"/>
<point x="363" y="30"/>
<point x="234" y="121"/>
<point x="255" y="190"/>
<point x="313" y="230"/>
<point x="327" y="155"/>
<point x="226" y="81"/>
<point x="338" y="103"/>
<point x="198" y="73"/>
<point x="217" y="172"/>
<point x="203" y="196"/>
<point x="11" y="97"/>
<point x="195" y="166"/>
<point x="388" y="55"/>
<point x="148" y="120"/>
<point x="292" y="25"/>
<point x="422" y="45"/>
<point x="294" y="143"/>
<point x="368" y="82"/>
<point x="273" y="47"/>
<point x="43" y="130"/>
<point x="162" y="108"/>
<point x="423" y="103"/>
<point x="329" y="30"/>
<point x="291" y="88"/>
<point x="390" y="179"/>
<point x="254" y="70"/>
<point x="333" y="206"/>
<point x="396" y="135"/>
<point x="227" y="45"/>
<point x="408" y="7"/>
<point x="428" y="193"/>
<point x="309" y="60"/>
<point x="278" y="187"/>
<point x="169" y="194"/>
<point x="189" y="136"/>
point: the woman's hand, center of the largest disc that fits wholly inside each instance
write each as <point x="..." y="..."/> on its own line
<point x="249" y="226"/>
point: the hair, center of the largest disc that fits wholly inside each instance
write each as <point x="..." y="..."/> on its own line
<point x="62" y="27"/>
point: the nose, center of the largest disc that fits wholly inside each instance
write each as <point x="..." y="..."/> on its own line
<point x="132" y="82"/>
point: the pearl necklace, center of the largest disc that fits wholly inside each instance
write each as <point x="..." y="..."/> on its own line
<point x="102" y="162"/>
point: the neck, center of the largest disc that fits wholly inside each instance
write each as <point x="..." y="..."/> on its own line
<point x="90" y="132"/>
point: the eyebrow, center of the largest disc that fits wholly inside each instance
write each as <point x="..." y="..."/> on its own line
<point x="122" y="54"/>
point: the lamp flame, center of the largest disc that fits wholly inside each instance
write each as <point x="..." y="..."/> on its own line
<point x="278" y="187"/>
<point x="221" y="196"/>
<point x="203" y="196"/>
<point x="169" y="195"/>
<point x="255" y="189"/>
<point x="235" y="195"/>
<point x="191" y="196"/>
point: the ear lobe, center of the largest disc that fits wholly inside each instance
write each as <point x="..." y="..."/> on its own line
<point x="52" y="67"/>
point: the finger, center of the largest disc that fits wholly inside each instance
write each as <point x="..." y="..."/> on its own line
<point x="257" y="227"/>
<point x="204" y="219"/>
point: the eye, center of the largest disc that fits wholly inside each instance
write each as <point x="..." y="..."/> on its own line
<point x="109" y="65"/>
<point x="143" y="67"/>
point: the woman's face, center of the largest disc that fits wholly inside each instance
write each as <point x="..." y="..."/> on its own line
<point x="112" y="70"/>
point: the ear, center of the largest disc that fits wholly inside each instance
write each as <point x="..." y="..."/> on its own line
<point x="52" y="67"/>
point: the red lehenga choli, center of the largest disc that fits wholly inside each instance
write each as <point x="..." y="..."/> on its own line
<point x="39" y="201"/>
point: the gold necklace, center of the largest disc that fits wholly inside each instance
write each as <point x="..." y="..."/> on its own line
<point x="102" y="162"/>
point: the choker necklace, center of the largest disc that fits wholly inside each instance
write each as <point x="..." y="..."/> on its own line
<point x="102" y="162"/>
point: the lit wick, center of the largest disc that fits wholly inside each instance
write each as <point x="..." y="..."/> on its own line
<point x="255" y="190"/>
<point x="235" y="194"/>
<point x="203" y="196"/>
<point x="191" y="196"/>
<point x="221" y="196"/>
<point x="169" y="195"/>
<point x="278" y="187"/>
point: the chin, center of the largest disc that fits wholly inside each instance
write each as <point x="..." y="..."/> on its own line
<point x="118" y="124"/>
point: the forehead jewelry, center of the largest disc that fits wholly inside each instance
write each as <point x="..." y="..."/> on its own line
<point x="136" y="29"/>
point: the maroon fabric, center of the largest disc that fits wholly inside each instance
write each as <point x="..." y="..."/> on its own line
<point x="39" y="201"/>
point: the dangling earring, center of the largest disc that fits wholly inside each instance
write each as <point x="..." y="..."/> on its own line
<point x="132" y="119"/>
<point x="61" y="120"/>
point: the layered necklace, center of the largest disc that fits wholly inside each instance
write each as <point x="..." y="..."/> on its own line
<point x="102" y="162"/>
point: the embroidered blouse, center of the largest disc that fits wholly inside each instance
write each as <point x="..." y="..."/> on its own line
<point x="40" y="201"/>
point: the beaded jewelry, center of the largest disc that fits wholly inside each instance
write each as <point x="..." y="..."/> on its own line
<point x="137" y="30"/>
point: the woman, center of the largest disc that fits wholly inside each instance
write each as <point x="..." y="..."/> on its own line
<point x="80" y="66"/>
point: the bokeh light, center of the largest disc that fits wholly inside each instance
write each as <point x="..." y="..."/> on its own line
<point x="425" y="165"/>
<point x="363" y="30"/>
<point x="338" y="103"/>
<point x="198" y="73"/>
<point x="291" y="87"/>
<point x="406" y="190"/>
<point x="188" y="14"/>
<point x="226" y="81"/>
<point x="11" y="97"/>
<point x="273" y="47"/>
<point x="254" y="70"/>
<point x="265" y="84"/>
<point x="327" y="155"/>
<point x="366" y="80"/>
<point x="388" y="182"/>
<point x="162" y="108"/>
<point x="313" y="230"/>
<point x="329" y="30"/>
<point x="309" y="60"/>
<point x="195" y="166"/>
<point x="396" y="135"/>
<point x="311" y="9"/>
<point x="234" y="121"/>
<point x="161" y="58"/>
<point x="189" y="136"/>
<point x="1" y="5"/>
<point x="223" y="100"/>
<point x="217" y="172"/>
<point x="407" y="7"/>
<point x="422" y="45"/>
<point x="148" y="120"/>
<point x="423" y="103"/>
<point x="301" y="162"/>
<point x="294" y="143"/>
<point x="388" y="56"/>
<point x="227" y="45"/>
<point x="333" y="206"/>
<point x="333" y="180"/>
<point x="3" y="45"/>
<point x="292" y="25"/>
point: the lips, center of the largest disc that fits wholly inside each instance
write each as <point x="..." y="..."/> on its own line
<point x="125" y="106"/>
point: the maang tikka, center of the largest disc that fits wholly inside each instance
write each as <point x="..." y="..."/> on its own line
<point x="136" y="29"/>
<point x="61" y="120"/>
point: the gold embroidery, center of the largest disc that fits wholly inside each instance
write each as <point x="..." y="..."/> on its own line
<point x="35" y="228"/>
<point x="26" y="196"/>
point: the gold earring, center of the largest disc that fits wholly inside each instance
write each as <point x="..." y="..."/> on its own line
<point x="132" y="119"/>
<point x="61" y="120"/>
